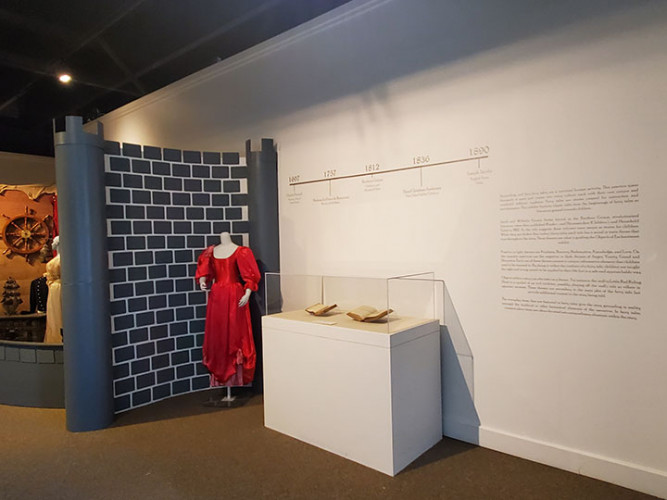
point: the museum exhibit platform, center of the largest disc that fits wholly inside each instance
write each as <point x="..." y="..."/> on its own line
<point x="367" y="391"/>
<point x="32" y="374"/>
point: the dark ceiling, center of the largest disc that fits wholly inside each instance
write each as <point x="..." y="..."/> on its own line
<point x="118" y="51"/>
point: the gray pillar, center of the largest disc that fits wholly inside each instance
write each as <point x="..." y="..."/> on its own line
<point x="263" y="205"/>
<point x="85" y="276"/>
<point x="264" y="235"/>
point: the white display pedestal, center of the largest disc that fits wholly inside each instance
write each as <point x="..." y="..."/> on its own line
<point x="353" y="389"/>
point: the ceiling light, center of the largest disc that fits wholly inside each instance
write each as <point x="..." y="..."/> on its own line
<point x="64" y="78"/>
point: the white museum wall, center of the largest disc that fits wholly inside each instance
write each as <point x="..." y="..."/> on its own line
<point x="554" y="346"/>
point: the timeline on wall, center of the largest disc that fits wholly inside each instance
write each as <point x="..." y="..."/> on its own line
<point x="372" y="178"/>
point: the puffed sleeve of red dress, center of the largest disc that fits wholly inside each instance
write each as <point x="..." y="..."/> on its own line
<point x="204" y="267"/>
<point x="248" y="268"/>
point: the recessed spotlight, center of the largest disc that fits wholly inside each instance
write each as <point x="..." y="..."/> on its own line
<point x="64" y="78"/>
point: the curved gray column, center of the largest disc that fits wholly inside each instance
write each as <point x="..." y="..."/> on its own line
<point x="85" y="280"/>
<point x="263" y="232"/>
<point x="263" y="205"/>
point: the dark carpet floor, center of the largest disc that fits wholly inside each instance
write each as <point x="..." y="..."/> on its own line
<point x="181" y="449"/>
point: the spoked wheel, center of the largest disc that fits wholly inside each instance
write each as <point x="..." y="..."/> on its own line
<point x="25" y="234"/>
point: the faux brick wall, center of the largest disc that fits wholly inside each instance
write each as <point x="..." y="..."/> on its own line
<point x="164" y="206"/>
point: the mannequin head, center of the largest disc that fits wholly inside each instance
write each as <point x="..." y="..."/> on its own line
<point x="46" y="253"/>
<point x="225" y="238"/>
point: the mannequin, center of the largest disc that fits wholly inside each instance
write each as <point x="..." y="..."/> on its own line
<point x="230" y="272"/>
<point x="224" y="250"/>
<point x="39" y="290"/>
<point x="54" y="313"/>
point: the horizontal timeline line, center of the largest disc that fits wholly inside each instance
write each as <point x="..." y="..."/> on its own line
<point x="379" y="172"/>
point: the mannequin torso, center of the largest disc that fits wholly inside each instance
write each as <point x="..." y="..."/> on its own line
<point x="224" y="250"/>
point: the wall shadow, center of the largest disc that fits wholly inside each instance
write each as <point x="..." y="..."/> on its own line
<point x="460" y="418"/>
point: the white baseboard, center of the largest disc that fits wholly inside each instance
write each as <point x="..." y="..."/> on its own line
<point x="628" y="475"/>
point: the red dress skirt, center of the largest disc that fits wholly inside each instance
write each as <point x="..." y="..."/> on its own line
<point x="229" y="349"/>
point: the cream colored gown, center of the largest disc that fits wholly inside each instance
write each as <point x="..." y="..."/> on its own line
<point x="54" y="312"/>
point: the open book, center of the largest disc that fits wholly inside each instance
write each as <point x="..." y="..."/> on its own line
<point x="368" y="313"/>
<point x="319" y="309"/>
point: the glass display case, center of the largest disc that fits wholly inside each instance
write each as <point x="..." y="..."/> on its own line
<point x="383" y="305"/>
<point x="330" y="378"/>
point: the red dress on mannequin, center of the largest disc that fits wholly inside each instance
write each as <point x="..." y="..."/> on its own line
<point x="229" y="349"/>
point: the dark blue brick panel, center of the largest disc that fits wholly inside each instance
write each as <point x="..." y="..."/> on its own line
<point x="115" y="211"/>
<point x="112" y="148"/>
<point x="203" y="228"/>
<point x="166" y="375"/>
<point x="219" y="227"/>
<point x="139" y="335"/>
<point x="201" y="199"/>
<point x="220" y="172"/>
<point x="164" y="316"/>
<point x="152" y="182"/>
<point x="142" y="227"/>
<point x="192" y="185"/>
<point x="161" y="198"/>
<point x="175" y="242"/>
<point x="155" y="242"/>
<point x="119" y="164"/>
<point x="240" y="199"/>
<point x="230" y="158"/>
<point x="233" y="213"/>
<point x="119" y="195"/>
<point x="232" y="186"/>
<point x="198" y="242"/>
<point x="141" y="397"/>
<point x="124" y="386"/>
<point x="122" y="403"/>
<point x="111" y="179"/>
<point x="171" y="154"/>
<point x="123" y="322"/>
<point x="176" y="213"/>
<point x="152" y="153"/>
<point x="181" y="387"/>
<point x="119" y="339"/>
<point x="211" y="158"/>
<point x="212" y="186"/>
<point x="121" y="371"/>
<point x="164" y="206"/>
<point x="239" y="173"/>
<point x="161" y="168"/>
<point x="161" y="391"/>
<point x="191" y="156"/>
<point x="180" y="170"/>
<point x="201" y="171"/>
<point x="141" y="366"/>
<point x="181" y="199"/>
<point x="141" y="167"/>
<point x="201" y="382"/>
<point x="172" y="184"/>
<point x="133" y="150"/>
<point x="132" y="181"/>
<point x="145" y="380"/>
<point x="220" y="200"/>
<point x="153" y="213"/>
<point x="162" y="331"/>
